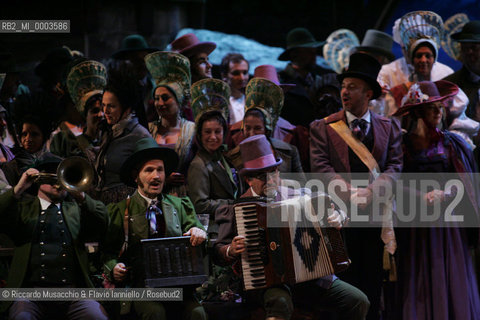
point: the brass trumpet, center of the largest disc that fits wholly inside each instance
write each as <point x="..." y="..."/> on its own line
<point x="73" y="174"/>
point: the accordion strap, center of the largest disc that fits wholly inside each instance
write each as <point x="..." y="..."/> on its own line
<point x="125" y="227"/>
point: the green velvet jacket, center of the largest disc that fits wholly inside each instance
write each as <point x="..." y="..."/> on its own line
<point x="179" y="216"/>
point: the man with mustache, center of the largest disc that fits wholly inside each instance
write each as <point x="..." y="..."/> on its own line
<point x="150" y="214"/>
<point x="262" y="175"/>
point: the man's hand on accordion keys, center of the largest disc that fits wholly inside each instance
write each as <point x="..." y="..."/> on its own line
<point x="197" y="236"/>
<point x="236" y="247"/>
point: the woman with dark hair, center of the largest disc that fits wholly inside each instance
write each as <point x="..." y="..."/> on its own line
<point x="33" y="137"/>
<point x="211" y="180"/>
<point x="171" y="73"/>
<point x="120" y="96"/>
<point x="85" y="82"/>
<point x="436" y="279"/>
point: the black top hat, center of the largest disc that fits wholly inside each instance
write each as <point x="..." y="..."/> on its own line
<point x="365" y="67"/>
<point x="132" y="43"/>
<point x="147" y="149"/>
<point x="377" y="42"/>
<point x="470" y="32"/>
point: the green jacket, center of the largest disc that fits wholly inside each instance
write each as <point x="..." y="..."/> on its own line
<point x="179" y="216"/>
<point x="88" y="220"/>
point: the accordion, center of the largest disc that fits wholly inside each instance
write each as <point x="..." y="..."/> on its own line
<point x="172" y="262"/>
<point x="287" y="241"/>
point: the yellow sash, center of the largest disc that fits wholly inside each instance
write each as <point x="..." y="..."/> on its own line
<point x="388" y="234"/>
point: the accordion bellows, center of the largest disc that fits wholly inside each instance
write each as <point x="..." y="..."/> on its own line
<point x="340" y="44"/>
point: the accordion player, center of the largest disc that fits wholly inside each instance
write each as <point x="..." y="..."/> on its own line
<point x="287" y="241"/>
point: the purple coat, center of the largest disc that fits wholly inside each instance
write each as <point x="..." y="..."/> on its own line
<point x="329" y="152"/>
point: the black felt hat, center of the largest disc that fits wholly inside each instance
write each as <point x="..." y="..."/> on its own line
<point x="147" y="149"/>
<point x="365" y="67"/>
<point x="132" y="43"/>
<point x="470" y="32"/>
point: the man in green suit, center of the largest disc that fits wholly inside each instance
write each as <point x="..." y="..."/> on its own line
<point x="146" y="170"/>
<point x="49" y="232"/>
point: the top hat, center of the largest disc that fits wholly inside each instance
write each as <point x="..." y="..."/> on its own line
<point x="425" y="92"/>
<point x="257" y="155"/>
<point x="267" y="97"/>
<point x="377" y="42"/>
<point x="470" y="32"/>
<point x="452" y="26"/>
<point x="55" y="59"/>
<point x="171" y="70"/>
<point x="267" y="71"/>
<point x="85" y="80"/>
<point x="147" y="149"/>
<point x="132" y="43"/>
<point x="365" y="67"/>
<point x="189" y="45"/>
<point x="210" y="95"/>
<point x="299" y="38"/>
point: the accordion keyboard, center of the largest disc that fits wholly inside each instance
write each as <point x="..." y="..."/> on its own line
<point x="253" y="259"/>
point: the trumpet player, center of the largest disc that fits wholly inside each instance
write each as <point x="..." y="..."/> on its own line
<point x="47" y="231"/>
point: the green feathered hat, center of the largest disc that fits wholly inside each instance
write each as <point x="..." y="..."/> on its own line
<point x="171" y="70"/>
<point x="210" y="95"/>
<point x="85" y="80"/>
<point x="267" y="97"/>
